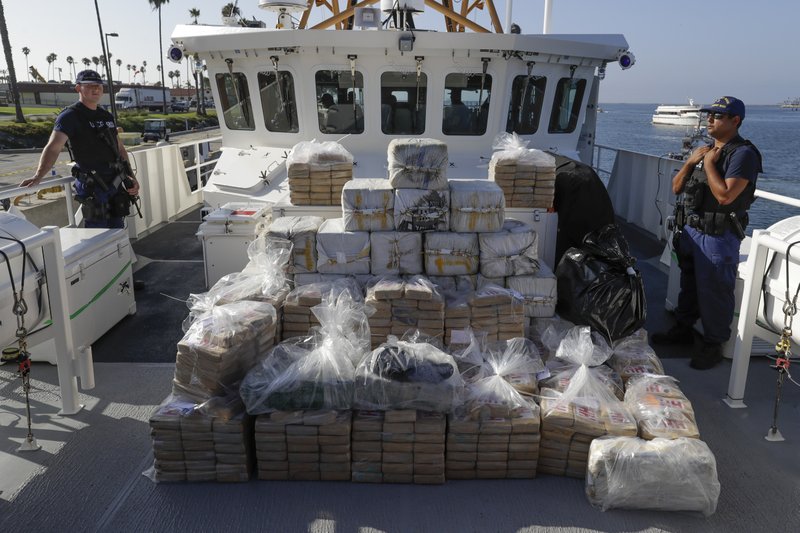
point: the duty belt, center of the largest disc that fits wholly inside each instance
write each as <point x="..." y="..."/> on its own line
<point x="716" y="223"/>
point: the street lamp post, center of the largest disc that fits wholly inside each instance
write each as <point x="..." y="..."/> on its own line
<point x="108" y="75"/>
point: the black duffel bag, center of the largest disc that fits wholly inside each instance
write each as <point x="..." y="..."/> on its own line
<point x="598" y="286"/>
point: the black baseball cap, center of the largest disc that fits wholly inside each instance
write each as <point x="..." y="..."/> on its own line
<point x="728" y="105"/>
<point x="88" y="76"/>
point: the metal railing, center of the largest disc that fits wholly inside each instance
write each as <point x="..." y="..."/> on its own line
<point x="64" y="181"/>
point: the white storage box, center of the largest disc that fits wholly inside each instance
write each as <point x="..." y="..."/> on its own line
<point x="476" y="206"/>
<point x="538" y="290"/>
<point x="418" y="164"/>
<point x="340" y="251"/>
<point x="421" y="210"/>
<point x="368" y="205"/>
<point x="451" y="254"/>
<point x="510" y="252"/>
<point x="394" y="252"/>
<point x="226" y="234"/>
<point x="302" y="232"/>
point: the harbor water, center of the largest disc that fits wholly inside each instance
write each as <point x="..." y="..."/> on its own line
<point x="773" y="130"/>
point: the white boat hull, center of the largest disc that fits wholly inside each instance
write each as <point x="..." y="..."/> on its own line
<point x="677" y="121"/>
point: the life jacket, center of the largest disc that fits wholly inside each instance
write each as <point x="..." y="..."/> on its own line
<point x="698" y="198"/>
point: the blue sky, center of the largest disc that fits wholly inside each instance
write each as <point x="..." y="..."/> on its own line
<point x="683" y="48"/>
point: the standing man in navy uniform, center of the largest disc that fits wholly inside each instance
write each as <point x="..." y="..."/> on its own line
<point x="718" y="183"/>
<point x="104" y="182"/>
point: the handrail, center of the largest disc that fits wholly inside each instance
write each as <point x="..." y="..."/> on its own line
<point x="66" y="181"/>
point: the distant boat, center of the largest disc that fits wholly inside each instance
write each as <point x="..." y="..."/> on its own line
<point x="678" y="115"/>
<point x="794" y="104"/>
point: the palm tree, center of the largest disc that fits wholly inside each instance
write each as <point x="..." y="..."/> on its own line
<point x="86" y="62"/>
<point x="12" y="74"/>
<point x="119" y="67"/>
<point x="195" y="14"/>
<point x="171" y="75"/>
<point x="230" y="10"/>
<point x="157" y="5"/>
<point x="51" y="58"/>
<point x="129" y="72"/>
<point x="96" y="61"/>
<point x="143" y="70"/>
<point x="71" y="63"/>
<point x="178" y="77"/>
<point x="26" y="51"/>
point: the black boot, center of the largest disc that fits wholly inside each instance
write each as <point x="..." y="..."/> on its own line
<point x="708" y="357"/>
<point x="676" y="335"/>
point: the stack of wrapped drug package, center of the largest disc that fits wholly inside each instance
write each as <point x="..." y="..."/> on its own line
<point x="527" y="176"/>
<point x="302" y="394"/>
<point x="317" y="172"/>
<point x="401" y="305"/>
<point x="200" y="433"/>
<point x="495" y="432"/>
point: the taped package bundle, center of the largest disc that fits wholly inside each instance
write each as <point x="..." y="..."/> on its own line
<point x="659" y="475"/>
<point x="317" y="172"/>
<point x="395" y="252"/>
<point x="526" y="176"/>
<point x="407" y="375"/>
<point x="476" y="206"/>
<point x="368" y="205"/>
<point x="404" y="305"/>
<point x="315" y="372"/>
<point x="586" y="409"/>
<point x="451" y="254"/>
<point x="539" y="292"/>
<point x="513" y="251"/>
<point x="498" y="312"/>
<point x="418" y="164"/>
<point x="298" y="317"/>
<point x="303" y="445"/>
<point x="398" y="446"/>
<point x="220" y="346"/>
<point x="660" y="407"/>
<point x="340" y="251"/>
<point x="458" y="316"/>
<point x="302" y="233"/>
<point x="633" y="356"/>
<point x="421" y="210"/>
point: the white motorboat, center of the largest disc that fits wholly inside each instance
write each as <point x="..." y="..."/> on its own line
<point x="678" y="115"/>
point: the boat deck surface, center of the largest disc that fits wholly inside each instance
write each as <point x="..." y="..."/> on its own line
<point x="88" y="476"/>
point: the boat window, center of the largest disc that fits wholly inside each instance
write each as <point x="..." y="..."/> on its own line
<point x="527" y="97"/>
<point x="235" y="101"/>
<point x="340" y="101"/>
<point x="403" y="98"/>
<point x="567" y="105"/>
<point x="278" y="102"/>
<point x="466" y="103"/>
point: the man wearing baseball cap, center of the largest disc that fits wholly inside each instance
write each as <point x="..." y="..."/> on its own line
<point x="104" y="182"/>
<point x="718" y="183"/>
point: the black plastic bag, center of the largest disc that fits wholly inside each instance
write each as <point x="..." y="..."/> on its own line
<point x="598" y="286"/>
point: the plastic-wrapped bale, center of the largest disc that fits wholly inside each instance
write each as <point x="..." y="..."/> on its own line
<point x="451" y="254"/>
<point x="340" y="251"/>
<point x="421" y="210"/>
<point x="304" y="445"/>
<point x="407" y="375"/>
<point x="221" y="346"/>
<point x="165" y="428"/>
<point x="660" y="407"/>
<point x="537" y="290"/>
<point x="633" y="356"/>
<point x="317" y="172"/>
<point x="316" y="277"/>
<point x="493" y="447"/>
<point x="498" y="312"/>
<point x="399" y="446"/>
<point x="476" y="206"/>
<point x="368" y="205"/>
<point x="658" y="475"/>
<point x="394" y="252"/>
<point x="298" y="317"/>
<point x="418" y="164"/>
<point x="302" y="233"/>
<point x="457" y="316"/>
<point x="509" y="252"/>
<point x="586" y="409"/>
<point x="403" y="305"/>
<point x="526" y="176"/>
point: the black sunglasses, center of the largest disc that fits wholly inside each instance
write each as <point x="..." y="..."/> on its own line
<point x="716" y="116"/>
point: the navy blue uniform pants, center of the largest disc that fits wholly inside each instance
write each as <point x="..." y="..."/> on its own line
<point x="708" y="278"/>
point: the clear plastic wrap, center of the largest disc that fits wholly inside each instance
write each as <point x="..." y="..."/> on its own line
<point x="301" y="231"/>
<point x="538" y="290"/>
<point x="510" y="147"/>
<point x="421" y="210"/>
<point x="476" y="206"/>
<point x="318" y="154"/>
<point x="451" y="254"/>
<point x="633" y="356"/>
<point x="660" y="408"/>
<point x="405" y="304"/>
<point x="661" y="474"/>
<point x="407" y="375"/>
<point x="368" y="205"/>
<point x="221" y="346"/>
<point x="526" y="176"/>
<point x="418" y="164"/>
<point x="395" y="252"/>
<point x="509" y="252"/>
<point x="340" y="251"/>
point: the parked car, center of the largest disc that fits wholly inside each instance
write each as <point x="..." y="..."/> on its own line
<point x="155" y="129"/>
<point x="180" y="106"/>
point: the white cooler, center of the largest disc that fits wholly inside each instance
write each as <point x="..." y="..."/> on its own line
<point x="226" y="234"/>
<point x="99" y="278"/>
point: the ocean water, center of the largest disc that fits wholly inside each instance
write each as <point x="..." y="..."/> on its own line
<point x="775" y="131"/>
